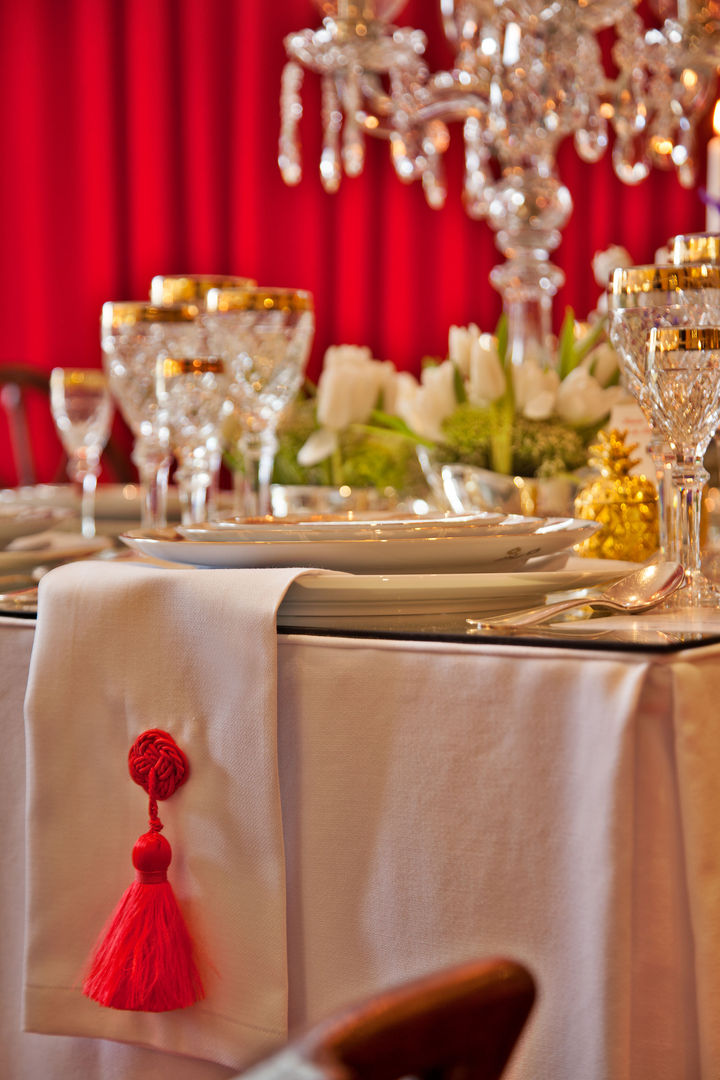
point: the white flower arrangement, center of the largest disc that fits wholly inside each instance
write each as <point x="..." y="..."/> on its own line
<point x="472" y="406"/>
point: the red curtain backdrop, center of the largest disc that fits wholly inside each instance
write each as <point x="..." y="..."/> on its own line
<point x="140" y="137"/>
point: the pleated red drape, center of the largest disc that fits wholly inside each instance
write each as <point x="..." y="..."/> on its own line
<point x="140" y="137"/>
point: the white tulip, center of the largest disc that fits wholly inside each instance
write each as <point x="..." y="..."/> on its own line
<point x="460" y="345"/>
<point x="486" y="378"/>
<point x="535" y="390"/>
<point x="423" y="406"/>
<point x="604" y="262"/>
<point x="350" y="386"/>
<point x="602" y="361"/>
<point x="320" y="445"/>
<point x="581" y="400"/>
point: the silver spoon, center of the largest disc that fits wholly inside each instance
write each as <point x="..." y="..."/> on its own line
<point x="638" y="591"/>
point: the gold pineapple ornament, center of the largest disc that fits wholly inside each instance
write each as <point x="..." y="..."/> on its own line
<point x="625" y="505"/>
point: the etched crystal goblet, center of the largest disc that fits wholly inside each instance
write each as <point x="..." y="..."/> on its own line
<point x="133" y="335"/>
<point x="264" y="336"/>
<point x="640" y="298"/>
<point x="683" y="384"/>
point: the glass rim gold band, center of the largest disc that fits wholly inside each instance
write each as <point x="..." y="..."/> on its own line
<point x="178" y="288"/>
<point x="259" y="299"/>
<point x="128" y="312"/>
<point x="688" y="248"/>
<point x="684" y="338"/>
<point x="92" y="377"/>
<point x="629" y="280"/>
<point x="171" y="366"/>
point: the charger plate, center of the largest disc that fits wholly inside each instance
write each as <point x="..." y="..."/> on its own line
<point x="331" y="600"/>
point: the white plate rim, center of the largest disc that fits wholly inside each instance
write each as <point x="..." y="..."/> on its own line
<point x="422" y="554"/>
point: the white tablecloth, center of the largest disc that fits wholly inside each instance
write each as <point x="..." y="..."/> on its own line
<point x="445" y="801"/>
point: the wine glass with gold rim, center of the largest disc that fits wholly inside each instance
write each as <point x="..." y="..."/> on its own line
<point x="133" y="335"/>
<point x="639" y="298"/>
<point x="264" y="336"/>
<point x="683" y="379"/>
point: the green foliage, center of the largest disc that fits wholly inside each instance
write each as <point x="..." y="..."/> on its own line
<point x="373" y="457"/>
<point x="534" y="447"/>
<point x="380" y="455"/>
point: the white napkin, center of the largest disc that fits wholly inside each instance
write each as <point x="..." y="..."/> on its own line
<point x="121" y="648"/>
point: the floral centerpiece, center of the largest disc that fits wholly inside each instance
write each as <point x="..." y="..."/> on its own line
<point x="362" y="424"/>
<point x="526" y="420"/>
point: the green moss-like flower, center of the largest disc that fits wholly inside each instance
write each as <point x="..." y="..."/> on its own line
<point x="466" y="436"/>
<point x="374" y="457"/>
<point x="538" y="447"/>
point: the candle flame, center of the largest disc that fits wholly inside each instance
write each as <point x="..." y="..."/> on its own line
<point x="716" y="118"/>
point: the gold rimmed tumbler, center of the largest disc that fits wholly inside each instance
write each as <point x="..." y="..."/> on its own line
<point x="264" y="336"/>
<point x="191" y="392"/>
<point x="640" y="298"/>
<point x="683" y="380"/>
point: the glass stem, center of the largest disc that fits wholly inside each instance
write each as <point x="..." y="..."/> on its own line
<point x="690" y="477"/>
<point x="153" y="464"/>
<point x="87" y="505"/>
<point x="194" y="481"/>
<point x="259" y="453"/>
<point x="664" y="460"/>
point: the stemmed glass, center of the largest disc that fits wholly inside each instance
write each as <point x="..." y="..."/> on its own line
<point x="683" y="381"/>
<point x="639" y="298"/>
<point x="264" y="337"/>
<point x="82" y="409"/>
<point x="190" y="394"/>
<point x="133" y="335"/>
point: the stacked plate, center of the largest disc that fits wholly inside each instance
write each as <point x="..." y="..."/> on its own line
<point x="436" y="544"/>
<point x="18" y="521"/>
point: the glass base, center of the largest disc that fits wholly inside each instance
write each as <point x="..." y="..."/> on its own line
<point x="697" y="592"/>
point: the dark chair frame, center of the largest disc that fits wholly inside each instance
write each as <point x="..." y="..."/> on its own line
<point x="461" y="1023"/>
<point x="16" y="381"/>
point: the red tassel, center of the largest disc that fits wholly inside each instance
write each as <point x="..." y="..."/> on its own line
<point x="144" y="958"/>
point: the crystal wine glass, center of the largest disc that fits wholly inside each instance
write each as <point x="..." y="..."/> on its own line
<point x="133" y="335"/>
<point x="683" y="380"/>
<point x="264" y="337"/>
<point x="190" y="393"/>
<point x="639" y="298"/>
<point x="82" y="410"/>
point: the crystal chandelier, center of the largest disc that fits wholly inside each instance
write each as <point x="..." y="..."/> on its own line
<point x="526" y="74"/>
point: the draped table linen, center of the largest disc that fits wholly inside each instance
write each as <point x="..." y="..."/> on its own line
<point x="444" y="800"/>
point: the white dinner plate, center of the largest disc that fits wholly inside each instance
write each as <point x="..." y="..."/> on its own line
<point x="331" y="601"/>
<point x="18" y="520"/>
<point x="112" y="501"/>
<point x="356" y="527"/>
<point x="49" y="548"/>
<point x="483" y="550"/>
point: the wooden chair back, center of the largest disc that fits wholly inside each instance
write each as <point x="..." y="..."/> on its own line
<point x="25" y="401"/>
<point x="458" y="1024"/>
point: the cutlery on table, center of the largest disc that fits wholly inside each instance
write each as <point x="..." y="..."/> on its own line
<point x="639" y="591"/>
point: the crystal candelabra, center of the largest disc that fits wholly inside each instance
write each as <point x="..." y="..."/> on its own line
<point x="526" y="74"/>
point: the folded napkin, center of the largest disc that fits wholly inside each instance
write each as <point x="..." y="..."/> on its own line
<point x="119" y="649"/>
